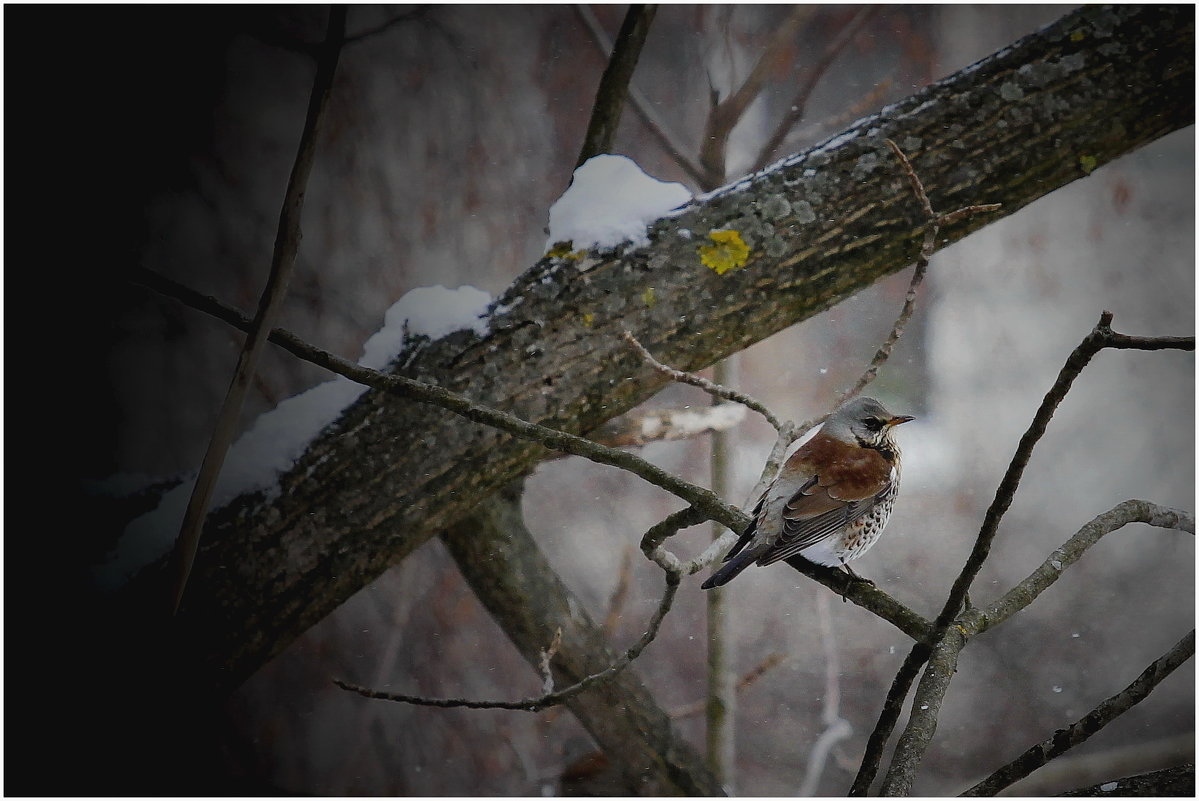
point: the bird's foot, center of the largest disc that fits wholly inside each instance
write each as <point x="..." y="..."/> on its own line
<point x="850" y="578"/>
<point x="854" y="575"/>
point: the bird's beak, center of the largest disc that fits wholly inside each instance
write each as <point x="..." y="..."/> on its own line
<point x="899" y="419"/>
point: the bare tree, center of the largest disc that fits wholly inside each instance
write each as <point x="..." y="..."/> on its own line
<point x="567" y="351"/>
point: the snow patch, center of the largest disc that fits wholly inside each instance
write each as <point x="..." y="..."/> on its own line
<point x="432" y="311"/>
<point x="279" y="437"/>
<point x="611" y="201"/>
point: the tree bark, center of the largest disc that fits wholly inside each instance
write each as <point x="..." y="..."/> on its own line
<point x="820" y="226"/>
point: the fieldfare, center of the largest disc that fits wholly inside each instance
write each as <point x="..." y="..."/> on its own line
<point x="832" y="498"/>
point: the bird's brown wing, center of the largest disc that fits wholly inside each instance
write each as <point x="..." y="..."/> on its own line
<point x="818" y="510"/>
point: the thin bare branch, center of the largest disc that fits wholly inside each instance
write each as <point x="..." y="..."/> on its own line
<point x="545" y="700"/>
<point x="1072" y="550"/>
<point x="935" y="221"/>
<point x="867" y="596"/>
<point x="614" y="84"/>
<point x="926" y="709"/>
<point x="922" y="724"/>
<point x="641" y="105"/>
<point x="809" y="82"/>
<point x="721" y="708"/>
<point x="1176" y="782"/>
<point x="651" y="542"/>
<point x="1079" y="731"/>
<point x="712" y="388"/>
<point x="287" y="244"/>
<point x="1101" y="337"/>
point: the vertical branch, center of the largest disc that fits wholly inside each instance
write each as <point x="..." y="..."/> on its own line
<point x="287" y="243"/>
<point x="614" y="85"/>
<point x="722" y="695"/>
<point x="642" y="107"/>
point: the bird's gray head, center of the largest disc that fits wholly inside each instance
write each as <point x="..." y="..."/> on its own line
<point x="864" y="421"/>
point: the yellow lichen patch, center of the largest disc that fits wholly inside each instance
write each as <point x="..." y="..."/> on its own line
<point x="1088" y="163"/>
<point x="1077" y="36"/>
<point x="588" y="319"/>
<point x="728" y="251"/>
<point x="649" y="297"/>
<point x="563" y="250"/>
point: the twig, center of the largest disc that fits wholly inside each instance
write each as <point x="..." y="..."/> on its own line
<point x="933" y="228"/>
<point x="641" y="105"/>
<point x="922" y="723"/>
<point x="1176" y="782"/>
<point x="1100" y="337"/>
<point x="811" y="79"/>
<point x="545" y="700"/>
<point x="287" y="244"/>
<point x="614" y="84"/>
<point x="1072" y="550"/>
<point x="712" y="388"/>
<point x="1079" y="731"/>
<point x="926" y="709"/>
<point x="1012" y="601"/>
<point x="651" y="542"/>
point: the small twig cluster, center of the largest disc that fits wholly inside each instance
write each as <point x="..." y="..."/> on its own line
<point x="954" y="627"/>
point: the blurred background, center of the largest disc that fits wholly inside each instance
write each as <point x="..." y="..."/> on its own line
<point x="451" y="131"/>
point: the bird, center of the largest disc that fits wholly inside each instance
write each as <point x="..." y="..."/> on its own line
<point x="831" y="500"/>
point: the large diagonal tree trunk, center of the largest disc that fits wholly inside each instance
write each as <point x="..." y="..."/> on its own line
<point x="820" y="226"/>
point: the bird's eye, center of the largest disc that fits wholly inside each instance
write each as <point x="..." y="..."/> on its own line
<point x="873" y="423"/>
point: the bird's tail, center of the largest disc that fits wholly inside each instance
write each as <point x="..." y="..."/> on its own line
<point x="730" y="569"/>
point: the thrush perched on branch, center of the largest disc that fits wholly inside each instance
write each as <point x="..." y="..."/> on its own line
<point x="832" y="498"/>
